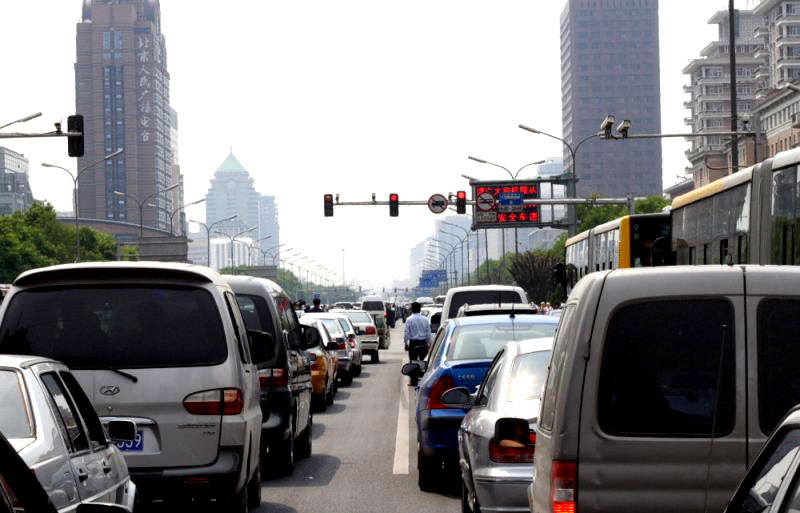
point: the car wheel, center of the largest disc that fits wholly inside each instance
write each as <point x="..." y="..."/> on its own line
<point x="319" y="402"/>
<point x="347" y="379"/>
<point x="302" y="448"/>
<point x="375" y="358"/>
<point x="331" y="394"/>
<point x="239" y="503"/>
<point x="281" y="456"/>
<point x="254" y="493"/>
<point x="358" y="370"/>
<point x="430" y="471"/>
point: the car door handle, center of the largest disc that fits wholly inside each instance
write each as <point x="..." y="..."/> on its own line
<point x="82" y="475"/>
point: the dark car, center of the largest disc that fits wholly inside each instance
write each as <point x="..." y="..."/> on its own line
<point x="286" y="379"/>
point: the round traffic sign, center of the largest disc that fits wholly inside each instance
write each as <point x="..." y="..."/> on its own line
<point x="437" y="203"/>
<point x="486" y="201"/>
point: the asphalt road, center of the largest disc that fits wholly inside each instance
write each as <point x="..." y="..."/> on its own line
<point x="364" y="456"/>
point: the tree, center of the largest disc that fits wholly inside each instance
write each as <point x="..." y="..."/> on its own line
<point x="533" y="271"/>
<point x="590" y="216"/>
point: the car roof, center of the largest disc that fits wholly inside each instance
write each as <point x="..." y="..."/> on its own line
<point x="470" y="288"/>
<point x="325" y="315"/>
<point x="93" y="271"/>
<point x="532" y="345"/>
<point x="502" y="318"/>
<point x="22" y="361"/>
<point x="252" y="284"/>
<point x="524" y="307"/>
<point x="372" y="298"/>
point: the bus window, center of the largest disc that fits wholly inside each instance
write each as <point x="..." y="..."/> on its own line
<point x="691" y="256"/>
<point x="706" y="250"/>
<point x="741" y="250"/>
<point x="723" y="250"/>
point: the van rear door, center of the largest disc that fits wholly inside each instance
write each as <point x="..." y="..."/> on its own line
<point x="666" y="370"/>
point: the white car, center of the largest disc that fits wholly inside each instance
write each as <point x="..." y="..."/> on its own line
<point x="49" y="421"/>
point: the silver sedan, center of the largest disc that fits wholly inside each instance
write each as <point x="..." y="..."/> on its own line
<point x="496" y="440"/>
<point x="50" y="422"/>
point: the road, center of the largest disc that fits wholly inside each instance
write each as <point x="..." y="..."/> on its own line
<point x="364" y="456"/>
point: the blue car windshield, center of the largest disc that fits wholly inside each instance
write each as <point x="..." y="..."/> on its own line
<point x="483" y="341"/>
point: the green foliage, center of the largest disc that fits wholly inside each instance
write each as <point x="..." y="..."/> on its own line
<point x="591" y="216"/>
<point x="533" y="271"/>
<point x="496" y="272"/>
<point x="35" y="238"/>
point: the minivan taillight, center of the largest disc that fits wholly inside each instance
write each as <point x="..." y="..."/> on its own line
<point x="372" y="330"/>
<point x="226" y="401"/>
<point x="273" y="377"/>
<point x="440" y="386"/>
<point x="564" y="486"/>
<point x="503" y="452"/>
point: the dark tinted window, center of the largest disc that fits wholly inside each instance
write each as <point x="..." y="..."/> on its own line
<point x="666" y="367"/>
<point x="76" y="436"/>
<point x="119" y="327"/>
<point x="759" y="489"/>
<point x="778" y="360"/>
<point x="482" y="297"/>
<point x="372" y="306"/>
<point x="563" y="343"/>
<point x="255" y="312"/>
<point x="15" y="421"/>
<point x="527" y="376"/>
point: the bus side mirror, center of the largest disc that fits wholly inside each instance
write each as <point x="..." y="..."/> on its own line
<point x="560" y="275"/>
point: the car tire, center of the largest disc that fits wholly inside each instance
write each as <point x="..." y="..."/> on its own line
<point x="254" y="493"/>
<point x="357" y="371"/>
<point x="238" y="503"/>
<point x="281" y="457"/>
<point x="303" y="445"/>
<point x="347" y="379"/>
<point x="320" y="402"/>
<point x="330" y="395"/>
<point x="375" y="358"/>
<point x="429" y="470"/>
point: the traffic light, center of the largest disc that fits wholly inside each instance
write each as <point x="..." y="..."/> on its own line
<point x="329" y="205"/>
<point x="394" y="205"/>
<point x="461" y="202"/>
<point x="75" y="144"/>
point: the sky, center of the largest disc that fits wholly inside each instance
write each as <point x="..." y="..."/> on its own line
<point x="349" y="97"/>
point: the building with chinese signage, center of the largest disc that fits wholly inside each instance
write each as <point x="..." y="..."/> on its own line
<point x="122" y="90"/>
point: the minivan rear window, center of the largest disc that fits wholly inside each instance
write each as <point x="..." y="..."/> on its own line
<point x="778" y="357"/>
<point x="482" y="297"/>
<point x="484" y="341"/>
<point x="116" y="327"/>
<point x="359" y="317"/>
<point x="667" y="367"/>
<point x="372" y="306"/>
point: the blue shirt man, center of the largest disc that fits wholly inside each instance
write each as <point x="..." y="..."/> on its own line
<point x="417" y="336"/>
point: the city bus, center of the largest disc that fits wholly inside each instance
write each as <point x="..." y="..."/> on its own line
<point x="640" y="240"/>
<point x="749" y="217"/>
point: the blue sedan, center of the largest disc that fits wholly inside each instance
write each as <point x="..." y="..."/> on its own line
<point x="461" y="353"/>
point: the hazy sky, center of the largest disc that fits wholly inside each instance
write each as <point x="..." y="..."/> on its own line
<point x="348" y="97"/>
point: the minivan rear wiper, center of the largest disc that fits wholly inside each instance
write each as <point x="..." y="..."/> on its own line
<point x="125" y="374"/>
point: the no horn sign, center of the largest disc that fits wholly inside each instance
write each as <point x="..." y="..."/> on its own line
<point x="437" y="203"/>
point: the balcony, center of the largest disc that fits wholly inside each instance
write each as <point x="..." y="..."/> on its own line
<point x="784" y="40"/>
<point x="688" y="89"/>
<point x="688" y="121"/>
<point x="761" y="32"/>
<point x="688" y="105"/>
<point x="787" y="19"/>
<point x="762" y="73"/>
<point x="762" y="92"/>
<point x="788" y="60"/>
<point x="761" y="53"/>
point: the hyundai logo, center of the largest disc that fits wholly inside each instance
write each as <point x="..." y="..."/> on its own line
<point x="109" y="390"/>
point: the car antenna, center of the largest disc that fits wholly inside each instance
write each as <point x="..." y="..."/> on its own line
<point x="714" y="415"/>
<point x="513" y="315"/>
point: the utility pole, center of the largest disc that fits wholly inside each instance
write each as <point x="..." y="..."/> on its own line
<point x="734" y="105"/>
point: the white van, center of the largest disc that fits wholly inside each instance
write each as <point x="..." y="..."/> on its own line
<point x="164" y="346"/>
<point x="663" y="385"/>
<point x="480" y="295"/>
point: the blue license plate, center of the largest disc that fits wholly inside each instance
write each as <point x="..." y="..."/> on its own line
<point x="135" y="446"/>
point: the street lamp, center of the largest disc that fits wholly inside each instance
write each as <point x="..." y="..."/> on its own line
<point x="210" y="227"/>
<point x="172" y="216"/>
<point x="266" y="252"/>
<point x="143" y="203"/>
<point x="22" y="120"/>
<point x="456" y="237"/>
<point x="466" y="236"/>
<point x="232" y="239"/>
<point x="250" y="247"/>
<point x="75" y="200"/>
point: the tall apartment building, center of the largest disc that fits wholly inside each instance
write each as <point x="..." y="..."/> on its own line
<point x="232" y="193"/>
<point x="709" y="91"/>
<point x="15" y="189"/>
<point x="122" y="90"/>
<point x="610" y="65"/>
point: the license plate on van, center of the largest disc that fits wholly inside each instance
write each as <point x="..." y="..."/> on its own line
<point x="135" y="446"/>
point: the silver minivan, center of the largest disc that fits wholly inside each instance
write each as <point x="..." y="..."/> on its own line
<point x="162" y="345"/>
<point x="663" y="385"/>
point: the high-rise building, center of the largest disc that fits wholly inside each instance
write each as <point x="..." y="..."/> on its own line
<point x="15" y="189"/>
<point x="232" y="193"/>
<point x="610" y="65"/>
<point x="122" y="90"/>
<point x="710" y="92"/>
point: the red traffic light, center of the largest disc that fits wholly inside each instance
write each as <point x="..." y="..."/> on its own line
<point x="461" y="195"/>
<point x="461" y="202"/>
<point x="394" y="205"/>
<point x="328" y="205"/>
<point x="393" y="197"/>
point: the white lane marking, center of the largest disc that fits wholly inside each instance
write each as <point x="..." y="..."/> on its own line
<point x="401" y="448"/>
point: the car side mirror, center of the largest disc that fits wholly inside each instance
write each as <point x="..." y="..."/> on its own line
<point x="332" y="346"/>
<point x="511" y="432"/>
<point x="262" y="346"/>
<point x="411" y="370"/>
<point x="458" y="397"/>
<point x="122" y="431"/>
<point x="101" y="507"/>
<point x="559" y="275"/>
<point x="311" y="337"/>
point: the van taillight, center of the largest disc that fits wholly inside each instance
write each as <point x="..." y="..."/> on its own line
<point x="273" y="378"/>
<point x="226" y="401"/>
<point x="352" y="341"/>
<point x="564" y="486"/>
<point x="440" y="386"/>
<point x="372" y="330"/>
<point x="343" y="346"/>
<point x="512" y="452"/>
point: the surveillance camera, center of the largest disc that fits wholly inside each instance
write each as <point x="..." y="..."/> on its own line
<point x="624" y="127"/>
<point x="608" y="124"/>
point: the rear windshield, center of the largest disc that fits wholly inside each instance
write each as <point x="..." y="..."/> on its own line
<point x="255" y="312"/>
<point x="14" y="419"/>
<point x="372" y="306"/>
<point x="359" y="317"/>
<point x="116" y="327"/>
<point x="482" y="297"/>
<point x="333" y="328"/>
<point x="484" y="341"/>
<point x="527" y="376"/>
<point x="380" y="322"/>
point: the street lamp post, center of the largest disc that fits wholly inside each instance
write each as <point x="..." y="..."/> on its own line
<point x="251" y="246"/>
<point x="172" y="215"/>
<point x="142" y="204"/>
<point x="22" y="120"/>
<point x="461" y="243"/>
<point x="266" y="252"/>
<point x="75" y="178"/>
<point x="452" y="249"/>
<point x="466" y="234"/>
<point x="232" y="239"/>
<point x="210" y="227"/>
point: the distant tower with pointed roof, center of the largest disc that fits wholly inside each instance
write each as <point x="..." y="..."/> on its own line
<point x="232" y="193"/>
